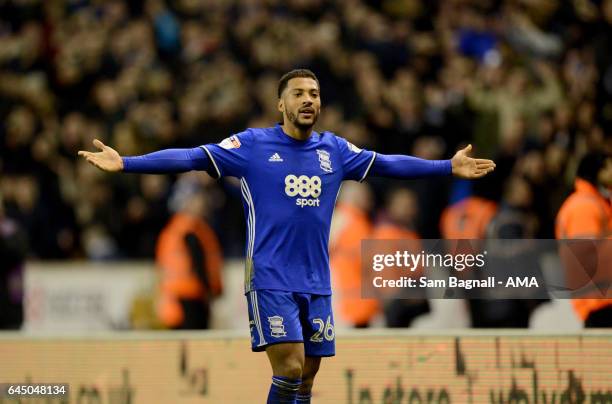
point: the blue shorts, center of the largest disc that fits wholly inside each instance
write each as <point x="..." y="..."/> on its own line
<point x="276" y="316"/>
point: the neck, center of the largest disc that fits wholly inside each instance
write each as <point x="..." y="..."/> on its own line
<point x="295" y="132"/>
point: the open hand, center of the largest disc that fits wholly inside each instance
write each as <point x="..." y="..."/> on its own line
<point x="106" y="159"/>
<point x="468" y="167"/>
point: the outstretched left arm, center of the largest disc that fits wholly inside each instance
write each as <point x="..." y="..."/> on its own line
<point x="405" y="167"/>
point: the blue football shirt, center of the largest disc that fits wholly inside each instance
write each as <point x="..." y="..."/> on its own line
<point x="289" y="189"/>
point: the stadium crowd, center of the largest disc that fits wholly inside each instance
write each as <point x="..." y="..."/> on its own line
<point x="528" y="83"/>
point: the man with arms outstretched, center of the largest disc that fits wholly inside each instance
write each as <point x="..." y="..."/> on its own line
<point x="290" y="176"/>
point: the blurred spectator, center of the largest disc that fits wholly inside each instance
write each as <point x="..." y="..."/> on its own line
<point x="587" y="214"/>
<point x="145" y="216"/>
<point x="528" y="83"/>
<point x="468" y="218"/>
<point x="514" y="104"/>
<point x="351" y="224"/>
<point x="189" y="258"/>
<point x="398" y="223"/>
<point x="13" y="249"/>
<point x="514" y="219"/>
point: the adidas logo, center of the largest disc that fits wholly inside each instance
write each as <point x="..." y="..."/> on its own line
<point x="275" y="157"/>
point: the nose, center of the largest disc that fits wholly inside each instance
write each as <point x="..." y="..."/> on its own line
<point x="307" y="99"/>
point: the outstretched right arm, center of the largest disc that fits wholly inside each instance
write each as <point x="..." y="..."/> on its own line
<point x="167" y="161"/>
<point x="160" y="162"/>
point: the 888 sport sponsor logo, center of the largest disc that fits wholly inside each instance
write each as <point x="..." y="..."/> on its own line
<point x="307" y="188"/>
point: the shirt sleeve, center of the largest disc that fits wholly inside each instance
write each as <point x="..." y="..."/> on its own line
<point x="356" y="162"/>
<point x="167" y="161"/>
<point x="230" y="157"/>
<point x="407" y="167"/>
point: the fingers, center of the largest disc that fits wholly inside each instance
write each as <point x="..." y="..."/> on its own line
<point x="90" y="157"/>
<point x="93" y="161"/>
<point x="467" y="149"/>
<point x="485" y="165"/>
<point x="98" y="144"/>
<point x="482" y="172"/>
<point x="480" y="163"/>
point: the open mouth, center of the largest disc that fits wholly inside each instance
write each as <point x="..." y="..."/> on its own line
<point x="307" y="112"/>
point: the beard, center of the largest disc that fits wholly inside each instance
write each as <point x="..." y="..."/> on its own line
<point x="302" y="123"/>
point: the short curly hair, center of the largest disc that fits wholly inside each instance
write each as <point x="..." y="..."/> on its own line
<point x="282" y="83"/>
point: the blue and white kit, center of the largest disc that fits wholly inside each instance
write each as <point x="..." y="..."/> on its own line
<point x="289" y="189"/>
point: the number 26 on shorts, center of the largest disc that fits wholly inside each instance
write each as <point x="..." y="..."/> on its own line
<point x="326" y="330"/>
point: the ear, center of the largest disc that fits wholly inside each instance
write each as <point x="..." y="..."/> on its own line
<point x="281" y="105"/>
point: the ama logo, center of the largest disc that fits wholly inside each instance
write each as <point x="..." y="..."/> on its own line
<point x="308" y="188"/>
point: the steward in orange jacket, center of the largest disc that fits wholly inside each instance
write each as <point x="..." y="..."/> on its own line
<point x="350" y="225"/>
<point x="401" y="212"/>
<point x="468" y="218"/>
<point x="587" y="214"/>
<point x="190" y="260"/>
